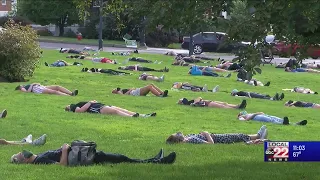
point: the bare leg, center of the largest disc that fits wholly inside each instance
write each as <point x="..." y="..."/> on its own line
<point x="152" y="78"/>
<point x="123" y="110"/>
<point x="5" y="142"/>
<point x="316" y="106"/>
<point x="111" y="110"/>
<point x="218" y="105"/>
<point x="313" y="71"/>
<point x="60" y="88"/>
<point x="218" y="70"/>
<point x="158" y="89"/>
<point x="226" y="104"/>
<point x="253" y="136"/>
<point x="50" y="91"/>
<point x="145" y="90"/>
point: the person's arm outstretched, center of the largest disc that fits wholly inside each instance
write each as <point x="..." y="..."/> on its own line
<point x="85" y="107"/>
<point x="64" y="155"/>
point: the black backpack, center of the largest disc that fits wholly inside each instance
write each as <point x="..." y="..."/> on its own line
<point x="82" y="153"/>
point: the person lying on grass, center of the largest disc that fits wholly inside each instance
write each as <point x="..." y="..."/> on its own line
<point x="199" y="102"/>
<point x="143" y="91"/>
<point x="3" y="113"/>
<point x="262" y="117"/>
<point x="191" y="59"/>
<point x="60" y="157"/>
<point x="254" y="82"/>
<point x="302" y="104"/>
<point x="301" y="90"/>
<point x="288" y="69"/>
<point x="292" y="63"/>
<point x="227" y="65"/>
<point x="276" y="97"/>
<point x="150" y="77"/>
<point x="138" y="59"/>
<point x="188" y="86"/>
<point x="196" y="71"/>
<point x="72" y="51"/>
<point x="105" y="71"/>
<point x="212" y="138"/>
<point x="61" y="63"/>
<point x="141" y="68"/>
<point x="78" y="57"/>
<point x="100" y="108"/>
<point x="37" y="88"/>
<point x="26" y="141"/>
<point x="94" y="59"/>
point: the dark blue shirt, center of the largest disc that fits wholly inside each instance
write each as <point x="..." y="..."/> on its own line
<point x="49" y="157"/>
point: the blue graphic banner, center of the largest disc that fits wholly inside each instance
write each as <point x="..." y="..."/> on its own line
<point x="291" y="151"/>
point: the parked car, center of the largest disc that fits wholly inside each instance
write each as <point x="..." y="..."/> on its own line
<point x="211" y="42"/>
<point x="283" y="49"/>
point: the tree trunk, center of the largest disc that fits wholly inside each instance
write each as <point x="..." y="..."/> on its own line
<point x="191" y="44"/>
<point x="61" y="29"/>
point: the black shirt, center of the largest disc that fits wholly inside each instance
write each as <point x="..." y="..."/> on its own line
<point x="49" y="157"/>
<point x="242" y="93"/>
<point x="124" y="91"/>
<point x="93" y="108"/>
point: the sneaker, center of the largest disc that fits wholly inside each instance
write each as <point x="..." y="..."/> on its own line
<point x="267" y="84"/>
<point x="243" y="104"/>
<point x="255" y="83"/>
<point x="46" y="64"/>
<point x="40" y="141"/>
<point x="264" y="135"/>
<point x="170" y="159"/>
<point x="3" y="113"/>
<point x="276" y="97"/>
<point x="156" y="61"/>
<point x="262" y="132"/>
<point x="315" y="92"/>
<point x="281" y="96"/>
<point x="75" y="92"/>
<point x="166" y="69"/>
<point x="159" y="155"/>
<point x="162" y="78"/>
<point x="286" y="121"/>
<point x="149" y="115"/>
<point x="136" y="115"/>
<point x="165" y="93"/>
<point x="27" y="139"/>
<point x="302" y="123"/>
<point x="205" y="88"/>
<point x="216" y="89"/>
<point x="229" y="75"/>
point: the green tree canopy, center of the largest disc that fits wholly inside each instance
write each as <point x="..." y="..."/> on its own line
<point x="44" y="12"/>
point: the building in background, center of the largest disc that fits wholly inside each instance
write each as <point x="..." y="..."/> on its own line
<point x="6" y="6"/>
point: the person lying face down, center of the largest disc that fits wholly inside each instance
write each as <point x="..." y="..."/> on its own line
<point x="262" y="117"/>
<point x="199" y="102"/>
<point x="140" y="68"/>
<point x="37" y="88"/>
<point x="100" y="108"/>
<point x="302" y="104"/>
<point x="60" y="157"/>
<point x="214" y="138"/>
<point x="143" y="91"/>
<point x="276" y="97"/>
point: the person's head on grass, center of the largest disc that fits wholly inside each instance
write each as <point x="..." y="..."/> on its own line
<point x="185" y="101"/>
<point x="23" y="157"/>
<point x="18" y="87"/>
<point x="122" y="68"/>
<point x="175" y="138"/>
<point x="234" y="92"/>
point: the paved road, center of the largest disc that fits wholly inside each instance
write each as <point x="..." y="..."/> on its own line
<point x="47" y="45"/>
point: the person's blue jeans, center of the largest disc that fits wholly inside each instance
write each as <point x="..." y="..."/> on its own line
<point x="58" y="64"/>
<point x="268" y="118"/>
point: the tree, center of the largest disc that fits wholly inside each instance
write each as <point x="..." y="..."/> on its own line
<point x="44" y="12"/>
<point x="19" y="52"/>
<point x="291" y="21"/>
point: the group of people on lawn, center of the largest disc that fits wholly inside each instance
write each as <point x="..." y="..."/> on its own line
<point x="59" y="156"/>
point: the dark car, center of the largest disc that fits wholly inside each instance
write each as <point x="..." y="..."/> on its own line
<point x="211" y="42"/>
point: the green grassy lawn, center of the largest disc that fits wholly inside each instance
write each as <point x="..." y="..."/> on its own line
<point x="94" y="41"/>
<point x="143" y="137"/>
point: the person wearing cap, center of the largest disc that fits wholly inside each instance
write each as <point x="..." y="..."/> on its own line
<point x="262" y="117"/>
<point x="199" y="102"/>
<point x="3" y="113"/>
<point x="60" y="157"/>
<point x="214" y="138"/>
<point x="25" y="141"/>
<point x="276" y="97"/>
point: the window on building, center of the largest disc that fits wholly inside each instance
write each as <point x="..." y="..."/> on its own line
<point x="4" y="2"/>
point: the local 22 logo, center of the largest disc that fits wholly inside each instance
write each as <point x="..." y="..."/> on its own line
<point x="277" y="150"/>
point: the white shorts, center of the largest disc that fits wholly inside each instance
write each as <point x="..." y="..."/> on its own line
<point x="135" y="92"/>
<point x="38" y="89"/>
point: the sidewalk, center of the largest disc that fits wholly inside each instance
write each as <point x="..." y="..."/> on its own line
<point x="82" y="43"/>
